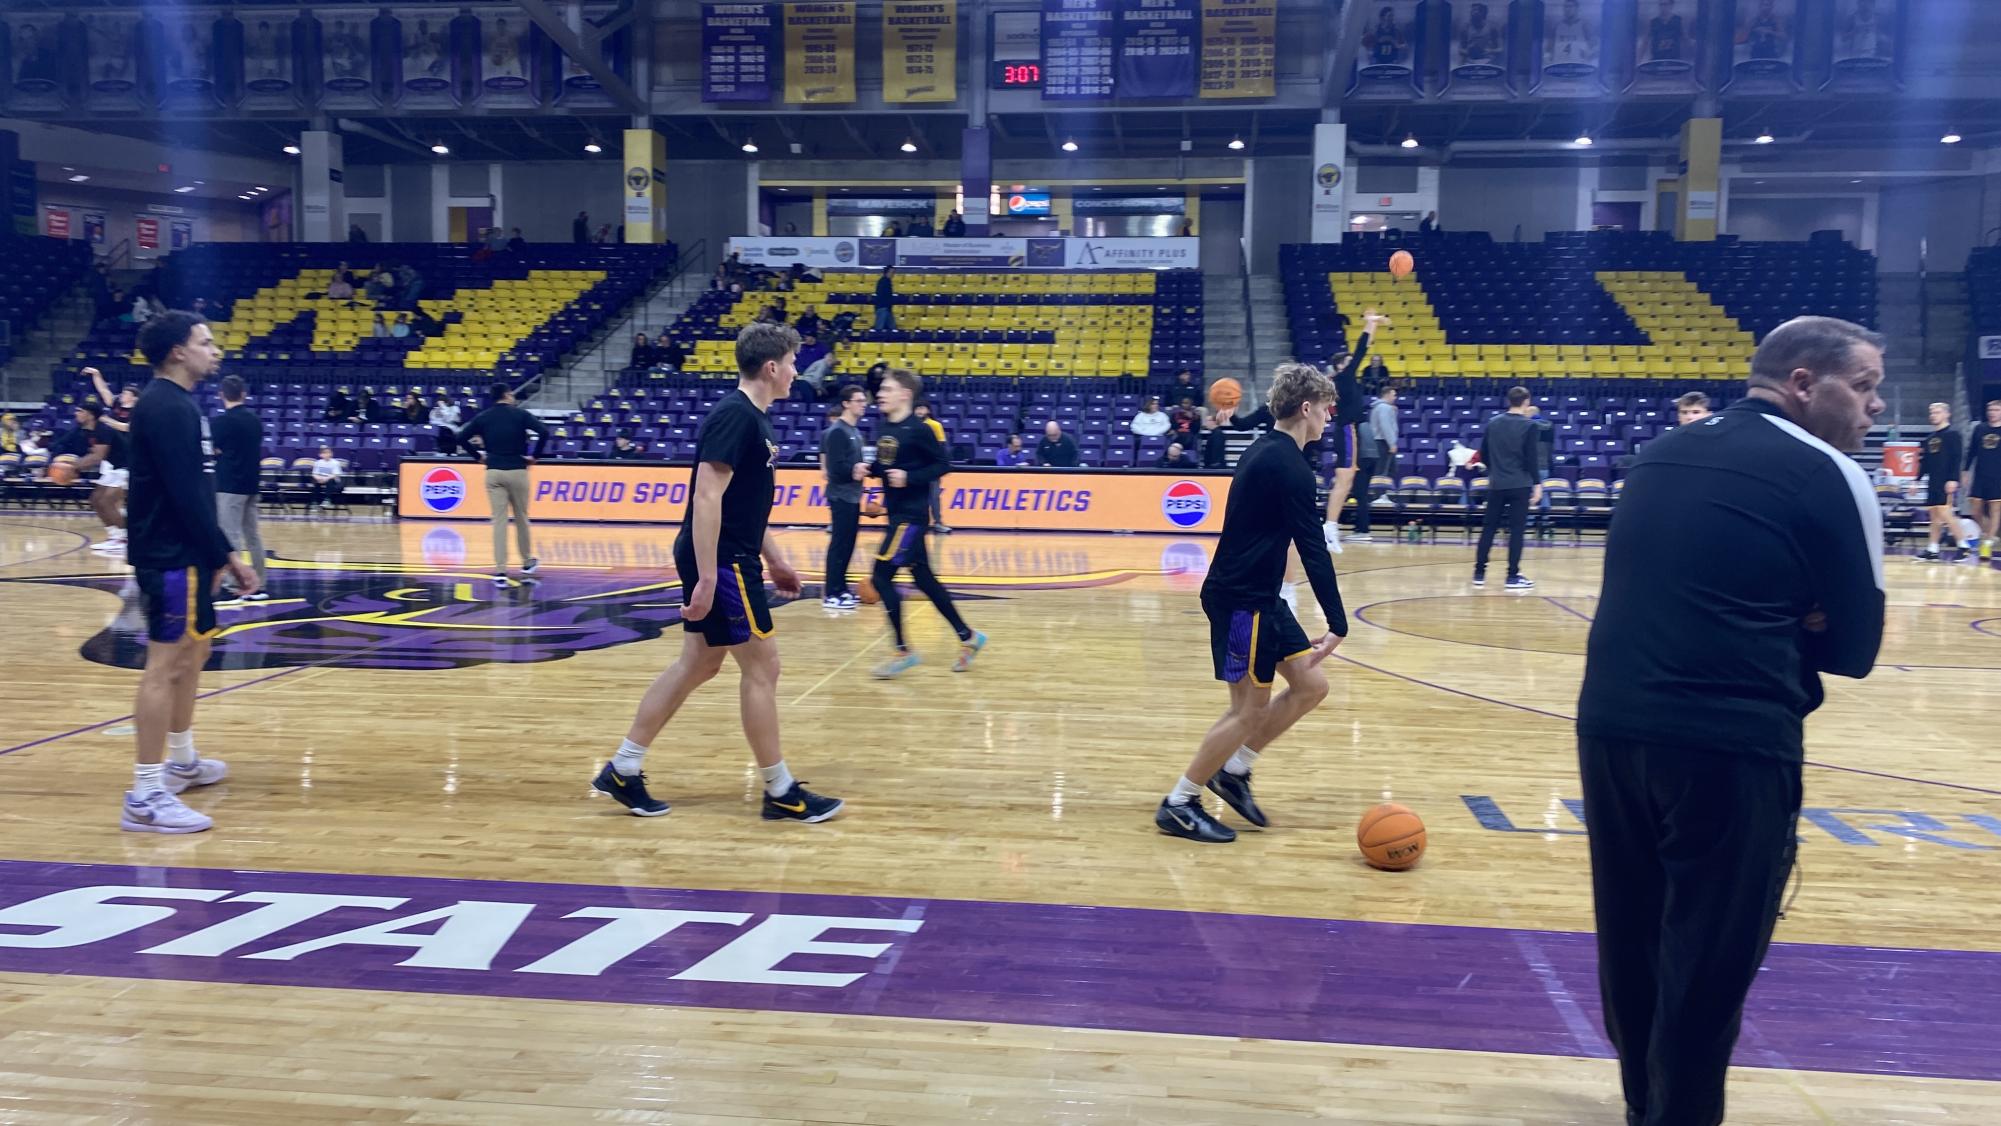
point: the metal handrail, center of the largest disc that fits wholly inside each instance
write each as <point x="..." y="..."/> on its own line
<point x="699" y="252"/>
<point x="1250" y="327"/>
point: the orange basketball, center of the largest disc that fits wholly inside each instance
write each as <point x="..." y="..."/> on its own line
<point x="1401" y="264"/>
<point x="1225" y="394"/>
<point x="62" y="471"/>
<point x="1391" y="837"/>
<point x="865" y="590"/>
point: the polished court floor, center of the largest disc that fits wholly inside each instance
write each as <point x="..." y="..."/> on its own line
<point x="413" y="909"/>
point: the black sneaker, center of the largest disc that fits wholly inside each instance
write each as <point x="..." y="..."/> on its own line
<point x="800" y="804"/>
<point x="1520" y="582"/>
<point x="501" y="580"/>
<point x="629" y="792"/>
<point x="1479" y="578"/>
<point x="1235" y="789"/>
<point x="533" y="565"/>
<point x="1193" y="822"/>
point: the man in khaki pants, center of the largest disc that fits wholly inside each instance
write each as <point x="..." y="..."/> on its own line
<point x="501" y="433"/>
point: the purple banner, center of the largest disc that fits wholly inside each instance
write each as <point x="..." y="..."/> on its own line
<point x="1389" y="62"/>
<point x="1079" y="42"/>
<point x="1826" y="1008"/>
<point x="1157" y="48"/>
<point x="739" y="52"/>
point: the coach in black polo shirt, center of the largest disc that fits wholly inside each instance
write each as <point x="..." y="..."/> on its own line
<point x="1744" y="560"/>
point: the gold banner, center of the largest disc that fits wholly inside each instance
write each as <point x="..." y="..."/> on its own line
<point x="820" y="52"/>
<point x="920" y="50"/>
<point x="1239" y="48"/>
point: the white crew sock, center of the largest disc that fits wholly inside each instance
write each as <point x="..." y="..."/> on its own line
<point x="630" y="757"/>
<point x="1183" y="790"/>
<point x="116" y="535"/>
<point x="146" y="779"/>
<point x="181" y="748"/>
<point x="777" y="779"/>
<point x="1242" y="762"/>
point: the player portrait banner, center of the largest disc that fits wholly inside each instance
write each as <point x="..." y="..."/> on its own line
<point x="920" y="50"/>
<point x="260" y="58"/>
<point x="1079" y="41"/>
<point x="1476" y="50"/>
<point x="1666" y="43"/>
<point x="1389" y="60"/>
<point x="342" y="41"/>
<point x="739" y="52"/>
<point x="820" y="52"/>
<point x="510" y="50"/>
<point x="111" y="60"/>
<point x="35" y="77"/>
<point x="1239" y="49"/>
<point x="183" y="49"/>
<point x="1764" y="46"/>
<point x="1156" y="57"/>
<point x="1866" y="45"/>
<point x="1570" y="39"/>
<point x="427" y="77"/>
<point x="972" y="497"/>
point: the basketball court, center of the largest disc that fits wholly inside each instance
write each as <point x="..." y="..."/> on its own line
<point x="414" y="909"/>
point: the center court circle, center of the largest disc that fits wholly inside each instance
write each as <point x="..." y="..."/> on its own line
<point x="1185" y="504"/>
<point x="443" y="489"/>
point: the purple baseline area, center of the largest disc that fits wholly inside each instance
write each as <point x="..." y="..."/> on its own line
<point x="1825" y="1008"/>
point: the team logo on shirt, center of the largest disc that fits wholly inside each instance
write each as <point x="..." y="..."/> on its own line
<point x="1990" y="441"/>
<point x="1185" y="504"/>
<point x="443" y="489"/>
<point x="885" y="449"/>
<point x="771" y="450"/>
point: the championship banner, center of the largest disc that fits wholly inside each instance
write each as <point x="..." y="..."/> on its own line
<point x="1477" y="56"/>
<point x="1867" y="46"/>
<point x="1078" y="41"/>
<point x="739" y="51"/>
<point x="507" y="57"/>
<point x="111" y="60"/>
<point x="820" y="52"/>
<point x="1389" y="61"/>
<point x="920" y="50"/>
<point x="1239" y="49"/>
<point x="1156" y="56"/>
<point x="1572" y="41"/>
<point x="426" y="57"/>
<point x="1665" y="46"/>
<point x="980" y="497"/>
<point x="1764" y="46"/>
<point x="347" y="63"/>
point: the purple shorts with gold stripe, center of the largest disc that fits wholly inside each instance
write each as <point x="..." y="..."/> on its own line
<point x="179" y="603"/>
<point x="1253" y="641"/>
<point x="740" y="611"/>
<point x="901" y="544"/>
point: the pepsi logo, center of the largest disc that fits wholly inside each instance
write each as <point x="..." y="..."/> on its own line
<point x="1185" y="504"/>
<point x="443" y="489"/>
<point x="444" y="547"/>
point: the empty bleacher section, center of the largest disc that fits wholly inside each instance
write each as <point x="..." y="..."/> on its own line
<point x="39" y="272"/>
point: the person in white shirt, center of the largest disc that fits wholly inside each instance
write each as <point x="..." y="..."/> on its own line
<point x="1151" y="421"/>
<point x="327" y="472"/>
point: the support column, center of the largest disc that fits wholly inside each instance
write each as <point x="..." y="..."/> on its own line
<point x="17" y="179"/>
<point x="976" y="178"/>
<point x="322" y="202"/>
<point x="1329" y="214"/>
<point x="644" y="187"/>
<point x="819" y="212"/>
<point x="1191" y="209"/>
<point x="1701" y="157"/>
<point x="1060" y="209"/>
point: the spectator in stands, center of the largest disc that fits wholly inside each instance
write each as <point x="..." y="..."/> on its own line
<point x="379" y="330"/>
<point x="1057" y="450"/>
<point x="671" y="354"/>
<point x="327" y="473"/>
<point x="808" y="324"/>
<point x="410" y="284"/>
<point x="623" y="448"/>
<point x="342" y="273"/>
<point x="400" y="328"/>
<point x="423" y="323"/>
<point x="1428" y="224"/>
<point x="920" y="227"/>
<point x="112" y="304"/>
<point x="35" y="443"/>
<point x="873" y="380"/>
<point x="515" y="243"/>
<point x="355" y="233"/>
<point x="238" y="436"/>
<point x="381" y="284"/>
<point x="445" y="420"/>
<point x="642" y="351"/>
<point x="200" y="307"/>
<point x="1691" y="408"/>
<point x="892" y="229"/>
<point x="1375" y="374"/>
<point x="580" y="228"/>
<point x="815" y="363"/>
<point x="1015" y="453"/>
<point x="340" y="289"/>
<point x="1188" y="228"/>
<point x="413" y="408"/>
<point x="885" y="300"/>
<point x="1151" y="421"/>
<point x="955" y="226"/>
<point x="1178" y="458"/>
<point x="364" y="406"/>
<point x="339" y="407"/>
<point x="1185" y="421"/>
<point x="770" y="315"/>
<point x="1184" y="383"/>
<point x="142" y="309"/>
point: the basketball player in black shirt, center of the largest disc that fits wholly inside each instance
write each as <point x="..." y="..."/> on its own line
<point x="1940" y="460"/>
<point x="179" y="556"/>
<point x="1350" y="408"/>
<point x="109" y="455"/>
<point x="724" y="545"/>
<point x="910" y="455"/>
<point x="1983" y="477"/>
<point x="1252" y="633"/>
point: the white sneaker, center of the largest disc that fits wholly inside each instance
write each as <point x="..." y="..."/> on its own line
<point x="161" y="812"/>
<point x="1333" y="533"/>
<point x="203" y="772"/>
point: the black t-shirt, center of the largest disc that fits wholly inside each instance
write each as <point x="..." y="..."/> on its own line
<point x="1941" y="456"/>
<point x="239" y="448"/>
<point x="738" y="435"/>
<point x="1272" y="507"/>
<point x="916" y="446"/>
<point x="117" y="457"/>
<point x="1983" y="454"/>
<point x="171" y="510"/>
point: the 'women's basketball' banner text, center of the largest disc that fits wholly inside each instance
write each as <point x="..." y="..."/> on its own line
<point x="920" y="50"/>
<point x="820" y="52"/>
<point x="1239" y="49"/>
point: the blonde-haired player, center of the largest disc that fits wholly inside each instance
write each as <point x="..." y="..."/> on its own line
<point x="1253" y="635"/>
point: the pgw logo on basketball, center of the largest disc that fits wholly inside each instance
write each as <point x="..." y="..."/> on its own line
<point x="1185" y="504"/>
<point x="443" y="489"/>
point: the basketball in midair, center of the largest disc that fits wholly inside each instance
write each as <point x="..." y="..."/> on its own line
<point x="1401" y="264"/>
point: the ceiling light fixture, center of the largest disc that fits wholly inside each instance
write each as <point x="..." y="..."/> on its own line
<point x="1070" y="144"/>
<point x="1763" y="139"/>
<point x="591" y="146"/>
<point x="78" y="178"/>
<point x="1410" y="141"/>
<point x="908" y="146"/>
<point x="1950" y="139"/>
<point x="1236" y="144"/>
<point x="1583" y="141"/>
<point x="750" y="146"/>
<point x="184" y="189"/>
<point x="442" y="149"/>
<point x="291" y="150"/>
